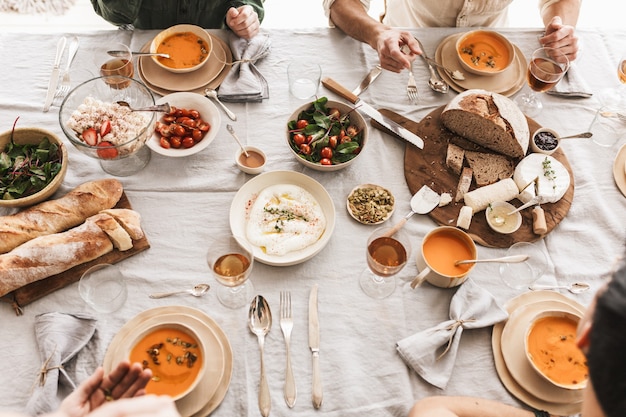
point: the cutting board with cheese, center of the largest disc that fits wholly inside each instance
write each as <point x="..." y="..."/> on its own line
<point x="428" y="167"/>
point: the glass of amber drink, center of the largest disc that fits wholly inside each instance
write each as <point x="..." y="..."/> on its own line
<point x="121" y="64"/>
<point x="231" y="259"/>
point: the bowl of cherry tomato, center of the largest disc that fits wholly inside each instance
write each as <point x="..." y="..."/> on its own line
<point x="189" y="127"/>
<point x="326" y="135"/>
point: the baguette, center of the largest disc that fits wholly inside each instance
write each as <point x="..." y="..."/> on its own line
<point x="52" y="254"/>
<point x="119" y="237"/>
<point x="55" y="216"/>
<point x="129" y="219"/>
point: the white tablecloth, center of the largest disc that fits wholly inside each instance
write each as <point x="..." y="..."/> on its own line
<point x="185" y="201"/>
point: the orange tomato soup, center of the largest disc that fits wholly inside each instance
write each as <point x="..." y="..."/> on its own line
<point x="174" y="358"/>
<point x="484" y="52"/>
<point x="185" y="49"/>
<point x="441" y="250"/>
<point x="552" y="346"/>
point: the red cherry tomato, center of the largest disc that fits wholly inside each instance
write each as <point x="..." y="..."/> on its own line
<point x="325" y="161"/>
<point x="305" y="149"/>
<point x="301" y="124"/>
<point x="175" y="142"/>
<point x="299" y="139"/>
<point x="326" y="152"/>
<point x="332" y="141"/>
<point x="164" y="143"/>
<point x="188" y="142"/>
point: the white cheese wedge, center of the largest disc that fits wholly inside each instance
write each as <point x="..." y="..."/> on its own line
<point x="554" y="179"/>
<point x="480" y="198"/>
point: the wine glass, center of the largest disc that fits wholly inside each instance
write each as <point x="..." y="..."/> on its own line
<point x="231" y="259"/>
<point x="545" y="69"/>
<point x="386" y="256"/>
<point x="122" y="64"/>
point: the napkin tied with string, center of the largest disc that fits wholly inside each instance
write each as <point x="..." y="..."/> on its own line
<point x="432" y="352"/>
<point x="244" y="82"/>
<point x="60" y="337"/>
<point x="571" y="85"/>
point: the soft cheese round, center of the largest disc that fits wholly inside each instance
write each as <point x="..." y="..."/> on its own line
<point x="554" y="179"/>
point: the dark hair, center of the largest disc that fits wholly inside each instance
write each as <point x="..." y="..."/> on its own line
<point x="606" y="359"/>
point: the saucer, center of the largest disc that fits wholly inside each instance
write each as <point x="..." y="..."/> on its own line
<point x="507" y="83"/>
<point x="217" y="67"/>
<point x="619" y="170"/>
<point x="507" y="378"/>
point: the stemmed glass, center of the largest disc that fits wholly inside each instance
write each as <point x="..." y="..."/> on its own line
<point x="386" y="256"/>
<point x="231" y="259"/>
<point x="545" y="69"/>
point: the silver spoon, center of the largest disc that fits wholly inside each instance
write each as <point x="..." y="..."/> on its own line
<point x="197" y="291"/>
<point x="122" y="54"/>
<point x="210" y="93"/>
<point x="454" y="74"/>
<point x="512" y="259"/>
<point x="165" y="107"/>
<point x="234" y="135"/>
<point x="435" y="82"/>
<point x="579" y="135"/>
<point x="575" y="288"/>
<point x="260" y="322"/>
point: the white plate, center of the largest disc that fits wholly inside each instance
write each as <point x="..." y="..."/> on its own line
<point x="251" y="189"/>
<point x="619" y="170"/>
<point x="208" y="113"/>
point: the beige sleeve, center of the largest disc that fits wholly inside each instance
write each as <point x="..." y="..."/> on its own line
<point x="543" y="4"/>
<point x="329" y="3"/>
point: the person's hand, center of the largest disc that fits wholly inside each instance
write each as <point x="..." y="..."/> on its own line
<point x="396" y="49"/>
<point x="125" y="381"/>
<point x="146" y="406"/>
<point x="243" y="21"/>
<point x="560" y="36"/>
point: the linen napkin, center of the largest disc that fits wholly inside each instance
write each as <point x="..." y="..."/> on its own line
<point x="60" y="337"/>
<point x="244" y="82"/>
<point x="572" y="84"/>
<point x="432" y="352"/>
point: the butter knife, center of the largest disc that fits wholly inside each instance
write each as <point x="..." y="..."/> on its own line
<point x="54" y="77"/>
<point x="369" y="78"/>
<point x="314" y="344"/>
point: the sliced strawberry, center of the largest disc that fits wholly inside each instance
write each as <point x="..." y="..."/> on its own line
<point x="107" y="151"/>
<point x="90" y="136"/>
<point x="105" y="127"/>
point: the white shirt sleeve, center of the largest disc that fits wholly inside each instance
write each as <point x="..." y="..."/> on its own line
<point x="543" y="4"/>
<point x="328" y="4"/>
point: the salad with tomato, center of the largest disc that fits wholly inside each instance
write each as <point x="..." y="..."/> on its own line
<point x="323" y="135"/>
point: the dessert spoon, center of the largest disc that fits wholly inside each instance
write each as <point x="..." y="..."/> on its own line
<point x="213" y="94"/>
<point x="234" y="135"/>
<point x="165" y="107"/>
<point x="579" y="135"/>
<point x="575" y="288"/>
<point x="512" y="258"/>
<point x="260" y="322"/>
<point x="197" y="291"/>
<point x="122" y="54"/>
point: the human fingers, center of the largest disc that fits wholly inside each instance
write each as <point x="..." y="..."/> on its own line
<point x="562" y="37"/>
<point x="391" y="47"/>
<point x="125" y="380"/>
<point x="243" y="21"/>
<point x="78" y="403"/>
<point x="148" y="406"/>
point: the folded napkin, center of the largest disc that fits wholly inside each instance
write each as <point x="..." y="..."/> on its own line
<point x="572" y="84"/>
<point x="244" y="82"/>
<point x="60" y="337"/>
<point x="432" y="352"/>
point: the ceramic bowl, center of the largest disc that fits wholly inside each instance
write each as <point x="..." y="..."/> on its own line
<point x="557" y="348"/>
<point x="197" y="38"/>
<point x="484" y="52"/>
<point x="499" y="220"/>
<point x="254" y="163"/>
<point x="545" y="141"/>
<point x="34" y="135"/>
<point x="170" y="357"/>
<point x="370" y="204"/>
<point x="313" y="160"/>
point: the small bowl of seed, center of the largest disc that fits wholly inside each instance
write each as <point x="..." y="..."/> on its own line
<point x="370" y="204"/>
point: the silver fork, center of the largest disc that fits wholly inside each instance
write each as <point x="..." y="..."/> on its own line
<point x="286" y="325"/>
<point x="411" y="88"/>
<point x="64" y="87"/>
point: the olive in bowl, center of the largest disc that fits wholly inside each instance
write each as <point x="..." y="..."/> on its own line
<point x="545" y="141"/>
<point x="35" y="182"/>
<point x="326" y="135"/>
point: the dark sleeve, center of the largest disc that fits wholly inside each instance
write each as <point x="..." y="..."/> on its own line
<point x="257" y="5"/>
<point x="117" y="12"/>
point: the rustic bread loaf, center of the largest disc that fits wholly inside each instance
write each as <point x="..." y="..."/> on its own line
<point x="54" y="216"/>
<point x="490" y="120"/>
<point x="465" y="181"/>
<point x="489" y="167"/>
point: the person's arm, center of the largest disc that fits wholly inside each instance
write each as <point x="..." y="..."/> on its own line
<point x="560" y="18"/>
<point x="351" y="17"/>
<point x="243" y="21"/>
<point x="464" y="407"/>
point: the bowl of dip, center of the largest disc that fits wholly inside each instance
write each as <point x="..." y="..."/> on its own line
<point x="484" y="52"/>
<point x="253" y="163"/>
<point x="545" y="141"/>
<point x="499" y="219"/>
<point x="189" y="48"/>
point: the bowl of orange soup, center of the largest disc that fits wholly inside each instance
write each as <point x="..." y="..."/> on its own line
<point x="484" y="52"/>
<point x="188" y="46"/>
<point x="176" y="356"/>
<point x="550" y="346"/>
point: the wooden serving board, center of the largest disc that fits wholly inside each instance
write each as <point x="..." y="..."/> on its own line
<point x="35" y="290"/>
<point x="428" y="167"/>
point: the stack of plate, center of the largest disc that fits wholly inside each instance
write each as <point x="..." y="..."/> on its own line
<point x="210" y="75"/>
<point x="619" y="169"/>
<point x="512" y="364"/>
<point x="506" y="83"/>
<point x="219" y="365"/>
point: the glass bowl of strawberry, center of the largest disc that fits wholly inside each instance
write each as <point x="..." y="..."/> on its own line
<point x="99" y="127"/>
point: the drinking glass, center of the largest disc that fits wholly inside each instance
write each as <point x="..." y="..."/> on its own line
<point x="231" y="259"/>
<point x="522" y="275"/>
<point x="103" y="287"/>
<point x="304" y="79"/>
<point x="386" y="256"/>
<point x="545" y="69"/>
<point x="118" y="65"/>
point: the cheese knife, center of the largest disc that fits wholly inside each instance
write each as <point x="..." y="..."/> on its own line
<point x="54" y="77"/>
<point x="365" y="108"/>
<point x="314" y="344"/>
<point x="369" y="78"/>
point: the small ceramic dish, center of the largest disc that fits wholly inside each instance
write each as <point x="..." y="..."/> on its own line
<point x="254" y="163"/>
<point x="370" y="204"/>
<point x="545" y="140"/>
<point x="499" y="219"/>
<point x="484" y="52"/>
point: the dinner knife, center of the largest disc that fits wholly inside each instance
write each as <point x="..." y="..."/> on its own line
<point x="363" y="107"/>
<point x="314" y="344"/>
<point x="54" y="77"/>
<point x="369" y="78"/>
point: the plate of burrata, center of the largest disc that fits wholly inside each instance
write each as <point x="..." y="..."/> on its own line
<point x="286" y="216"/>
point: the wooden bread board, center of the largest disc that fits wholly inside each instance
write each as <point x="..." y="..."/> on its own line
<point x="38" y="289"/>
<point x="428" y="167"/>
